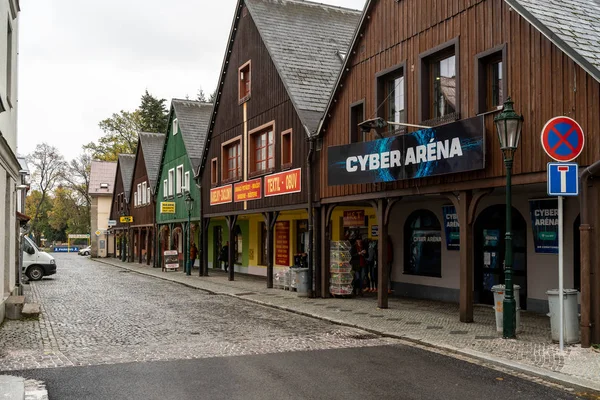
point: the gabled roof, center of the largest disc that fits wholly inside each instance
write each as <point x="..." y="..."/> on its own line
<point x="102" y="173"/>
<point x="572" y="25"/>
<point x="152" y="145"/>
<point x="126" y="165"/>
<point x="304" y="40"/>
<point x="193" y="118"/>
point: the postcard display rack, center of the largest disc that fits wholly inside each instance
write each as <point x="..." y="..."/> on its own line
<point x="340" y="269"/>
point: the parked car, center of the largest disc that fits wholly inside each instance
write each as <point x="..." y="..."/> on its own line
<point x="86" y="251"/>
<point x="36" y="263"/>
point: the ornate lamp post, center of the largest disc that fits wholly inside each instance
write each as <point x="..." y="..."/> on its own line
<point x="189" y="203"/>
<point x="509" y="125"/>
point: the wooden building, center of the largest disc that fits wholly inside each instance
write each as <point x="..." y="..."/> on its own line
<point x="180" y="156"/>
<point x="142" y="196"/>
<point x="121" y="207"/>
<point x="450" y="65"/>
<point x="280" y="65"/>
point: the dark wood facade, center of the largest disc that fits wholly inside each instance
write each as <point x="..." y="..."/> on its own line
<point x="120" y="207"/>
<point x="542" y="80"/>
<point x="268" y="102"/>
<point x="144" y="214"/>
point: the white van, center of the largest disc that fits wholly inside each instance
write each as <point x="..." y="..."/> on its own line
<point x="36" y="263"/>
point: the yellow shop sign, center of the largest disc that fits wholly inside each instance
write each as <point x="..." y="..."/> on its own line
<point x="167" y="207"/>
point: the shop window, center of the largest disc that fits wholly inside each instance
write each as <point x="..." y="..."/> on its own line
<point x="286" y="149"/>
<point x="391" y="99"/>
<point x="302" y="236"/>
<point x="439" y="83"/>
<point x="262" y="150"/>
<point x="490" y="70"/>
<point x="423" y="244"/>
<point x="231" y="169"/>
<point x="244" y="75"/>
<point x="357" y="115"/>
<point x="214" y="171"/>
<point x="238" y="242"/>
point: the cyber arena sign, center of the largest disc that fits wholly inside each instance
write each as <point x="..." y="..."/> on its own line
<point x="448" y="149"/>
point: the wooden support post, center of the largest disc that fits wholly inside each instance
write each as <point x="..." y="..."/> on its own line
<point x="383" y="281"/>
<point x="270" y="221"/>
<point x="231" y="222"/>
<point x="316" y="251"/>
<point x="203" y="249"/>
<point x="325" y="249"/>
<point x="466" y="257"/>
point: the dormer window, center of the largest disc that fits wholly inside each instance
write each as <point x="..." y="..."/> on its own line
<point x="104" y="186"/>
<point x="244" y="75"/>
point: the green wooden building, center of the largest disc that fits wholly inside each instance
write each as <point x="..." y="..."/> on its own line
<point x="181" y="157"/>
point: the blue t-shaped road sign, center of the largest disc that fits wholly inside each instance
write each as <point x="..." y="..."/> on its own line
<point x="563" y="179"/>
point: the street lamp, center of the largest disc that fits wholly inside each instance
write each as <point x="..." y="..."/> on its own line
<point x="508" y="125"/>
<point x="189" y="203"/>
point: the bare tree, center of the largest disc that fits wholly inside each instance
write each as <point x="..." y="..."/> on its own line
<point x="48" y="169"/>
<point x="77" y="177"/>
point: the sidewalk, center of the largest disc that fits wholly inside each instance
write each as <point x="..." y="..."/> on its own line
<point x="429" y="323"/>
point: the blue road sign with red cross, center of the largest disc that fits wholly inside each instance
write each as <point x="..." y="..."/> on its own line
<point x="562" y="139"/>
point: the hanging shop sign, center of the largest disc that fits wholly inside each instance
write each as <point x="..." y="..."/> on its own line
<point x="221" y="195"/>
<point x="544" y="222"/>
<point x="282" y="243"/>
<point x="451" y="228"/>
<point x="354" y="218"/>
<point x="167" y="207"/>
<point x="250" y="190"/>
<point x="126" y="220"/>
<point x="283" y="183"/>
<point x="448" y="149"/>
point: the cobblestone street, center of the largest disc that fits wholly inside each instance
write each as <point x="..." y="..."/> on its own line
<point x="94" y="313"/>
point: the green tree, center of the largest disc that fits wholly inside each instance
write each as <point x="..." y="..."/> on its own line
<point x="213" y="96"/>
<point x="40" y="226"/>
<point x="201" y="96"/>
<point x="153" y="113"/>
<point x="120" y="136"/>
<point x="68" y="215"/>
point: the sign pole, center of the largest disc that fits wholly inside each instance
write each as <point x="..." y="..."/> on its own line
<point x="561" y="254"/>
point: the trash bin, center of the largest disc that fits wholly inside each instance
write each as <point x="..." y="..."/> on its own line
<point x="571" y="315"/>
<point x="499" y="306"/>
<point x="302" y="281"/>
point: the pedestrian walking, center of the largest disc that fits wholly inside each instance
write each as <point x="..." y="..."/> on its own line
<point x="225" y="255"/>
<point x="193" y="255"/>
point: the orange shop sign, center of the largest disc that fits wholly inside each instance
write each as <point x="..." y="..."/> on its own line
<point x="250" y="190"/>
<point x="221" y="195"/>
<point x="283" y="183"/>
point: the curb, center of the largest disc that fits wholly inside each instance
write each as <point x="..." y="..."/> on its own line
<point x="465" y="354"/>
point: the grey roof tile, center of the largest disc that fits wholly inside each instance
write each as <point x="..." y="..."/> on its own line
<point x="574" y="22"/>
<point x="102" y="172"/>
<point x="152" y="146"/>
<point x="304" y="40"/>
<point x="127" y="164"/>
<point x="193" y="118"/>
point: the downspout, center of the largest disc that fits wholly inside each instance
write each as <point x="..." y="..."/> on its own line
<point x="201" y="233"/>
<point x="585" y="249"/>
<point x="309" y="157"/>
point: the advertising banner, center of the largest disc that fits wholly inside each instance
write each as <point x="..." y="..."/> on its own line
<point x="250" y="190"/>
<point x="448" y="149"/>
<point x="451" y="228"/>
<point x="354" y="218"/>
<point x="282" y="243"/>
<point x="283" y="183"/>
<point x="221" y="195"/>
<point x="167" y="207"/>
<point x="544" y="222"/>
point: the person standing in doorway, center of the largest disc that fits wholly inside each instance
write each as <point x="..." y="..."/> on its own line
<point x="193" y="255"/>
<point x="225" y="255"/>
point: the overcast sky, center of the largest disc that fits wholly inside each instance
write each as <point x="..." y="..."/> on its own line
<point x="81" y="61"/>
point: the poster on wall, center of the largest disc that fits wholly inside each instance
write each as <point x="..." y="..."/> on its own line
<point x="425" y="256"/>
<point x="544" y="221"/>
<point x="354" y="218"/>
<point x="282" y="243"/>
<point x="491" y="237"/>
<point x="451" y="228"/>
<point x="448" y="149"/>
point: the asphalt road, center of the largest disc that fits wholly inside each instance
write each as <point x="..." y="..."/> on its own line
<point x="385" y="372"/>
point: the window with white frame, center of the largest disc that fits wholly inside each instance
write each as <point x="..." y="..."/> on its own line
<point x="138" y="196"/>
<point x="187" y="181"/>
<point x="148" y="196"/>
<point x="143" y="193"/>
<point x="179" y="179"/>
<point x="171" y="181"/>
<point x="165" y="189"/>
<point x="175" y="126"/>
<point x="135" y="199"/>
